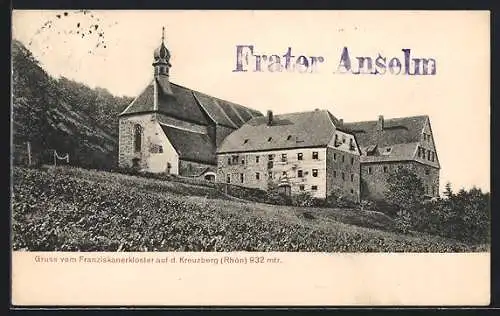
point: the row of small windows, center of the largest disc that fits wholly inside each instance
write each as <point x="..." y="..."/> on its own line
<point x="386" y="170"/>
<point x="425" y="154"/>
<point x="233" y="160"/>
<point x="427" y="137"/>
<point x="300" y="174"/>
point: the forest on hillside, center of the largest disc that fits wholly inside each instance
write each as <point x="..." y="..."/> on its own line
<point x="61" y="114"/>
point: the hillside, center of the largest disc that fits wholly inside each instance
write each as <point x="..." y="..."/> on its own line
<point x="72" y="209"/>
<point x="61" y="114"/>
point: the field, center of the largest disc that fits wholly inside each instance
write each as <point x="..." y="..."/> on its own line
<point x="71" y="209"/>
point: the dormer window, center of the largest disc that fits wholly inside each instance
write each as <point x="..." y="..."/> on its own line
<point x="289" y="137"/>
<point x="269" y="139"/>
<point x="245" y="141"/>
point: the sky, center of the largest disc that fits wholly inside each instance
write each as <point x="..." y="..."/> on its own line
<point x="118" y="53"/>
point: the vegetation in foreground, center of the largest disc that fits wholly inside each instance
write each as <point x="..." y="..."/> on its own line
<point x="70" y="209"/>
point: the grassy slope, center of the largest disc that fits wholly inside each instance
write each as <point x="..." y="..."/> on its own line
<point x="76" y="209"/>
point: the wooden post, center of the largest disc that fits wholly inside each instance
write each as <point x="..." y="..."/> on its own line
<point x="29" y="153"/>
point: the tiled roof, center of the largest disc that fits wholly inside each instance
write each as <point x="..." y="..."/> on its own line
<point x="396" y="152"/>
<point x="294" y="130"/>
<point x="396" y="131"/>
<point x="401" y="135"/>
<point x="190" y="145"/>
<point x="186" y="104"/>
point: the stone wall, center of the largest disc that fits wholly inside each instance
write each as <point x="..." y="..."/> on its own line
<point x="374" y="177"/>
<point x="253" y="169"/>
<point x="343" y="173"/>
<point x="194" y="169"/>
<point x="149" y="158"/>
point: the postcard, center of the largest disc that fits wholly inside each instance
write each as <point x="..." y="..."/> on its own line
<point x="250" y="158"/>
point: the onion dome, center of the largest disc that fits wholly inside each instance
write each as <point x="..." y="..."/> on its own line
<point x="162" y="52"/>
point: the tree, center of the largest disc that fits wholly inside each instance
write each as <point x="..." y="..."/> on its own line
<point x="447" y="190"/>
<point x="406" y="192"/>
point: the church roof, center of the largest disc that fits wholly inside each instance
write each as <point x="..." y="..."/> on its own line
<point x="293" y="130"/>
<point x="397" y="141"/>
<point x="190" y="145"/>
<point x="189" y="105"/>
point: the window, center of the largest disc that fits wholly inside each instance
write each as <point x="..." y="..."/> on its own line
<point x="302" y="187"/>
<point x="270" y="165"/>
<point x="289" y="137"/>
<point x="138" y="137"/>
<point x="343" y="158"/>
<point x="243" y="161"/>
<point x="427" y="172"/>
<point x="352" y="191"/>
<point x="284" y="173"/>
<point x="300" y="156"/>
<point x="270" y="174"/>
<point x="315" y="172"/>
<point x="334" y="156"/>
<point x="432" y="156"/>
<point x="352" y="160"/>
<point x="229" y="160"/>
<point x="369" y="170"/>
<point x="300" y="174"/>
<point x="235" y="160"/>
<point x="256" y="159"/>
<point x="283" y="157"/>
<point x="257" y="176"/>
<point x="428" y="155"/>
<point x="228" y="178"/>
<point x="334" y="173"/>
<point x="241" y="177"/>
<point x="314" y="187"/>
<point x="343" y="176"/>
<point x="269" y="139"/>
<point x="386" y="169"/>
<point x="315" y="155"/>
<point x="245" y="141"/>
<point x="352" y="177"/>
<point x="343" y="139"/>
<point x="419" y="151"/>
<point x="270" y="157"/>
<point x="351" y="144"/>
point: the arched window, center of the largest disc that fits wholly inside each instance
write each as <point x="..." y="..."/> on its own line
<point x="138" y="137"/>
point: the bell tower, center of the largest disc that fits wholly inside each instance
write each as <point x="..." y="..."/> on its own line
<point x="161" y="62"/>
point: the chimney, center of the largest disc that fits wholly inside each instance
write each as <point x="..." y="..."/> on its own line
<point x="269" y="117"/>
<point x="341" y="122"/>
<point x="380" y="123"/>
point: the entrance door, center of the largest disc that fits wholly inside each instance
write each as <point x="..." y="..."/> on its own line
<point x="285" y="189"/>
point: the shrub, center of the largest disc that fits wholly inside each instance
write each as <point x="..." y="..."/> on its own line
<point x="303" y="199"/>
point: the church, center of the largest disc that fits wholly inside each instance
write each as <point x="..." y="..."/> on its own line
<point x="172" y="129"/>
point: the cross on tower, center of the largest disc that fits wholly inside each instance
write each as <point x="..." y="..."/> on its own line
<point x="163" y="34"/>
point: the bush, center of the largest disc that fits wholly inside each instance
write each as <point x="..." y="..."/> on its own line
<point x="304" y="199"/>
<point x="465" y="216"/>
